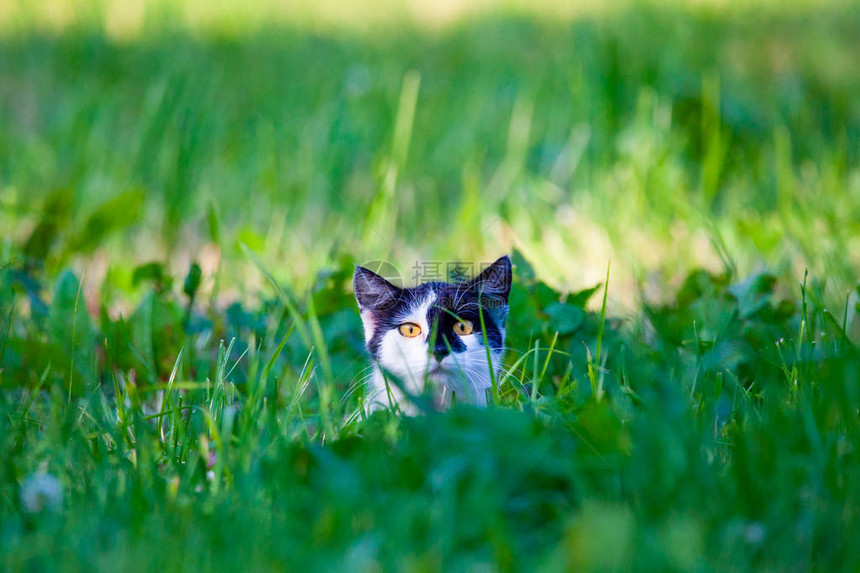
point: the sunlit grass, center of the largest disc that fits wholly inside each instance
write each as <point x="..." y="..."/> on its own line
<point x="125" y="21"/>
<point x="583" y="142"/>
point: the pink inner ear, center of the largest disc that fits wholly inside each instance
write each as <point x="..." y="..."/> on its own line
<point x="368" y="320"/>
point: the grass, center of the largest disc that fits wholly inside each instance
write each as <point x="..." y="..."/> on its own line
<point x="182" y="204"/>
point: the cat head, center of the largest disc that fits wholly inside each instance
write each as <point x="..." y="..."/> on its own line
<point x="432" y="333"/>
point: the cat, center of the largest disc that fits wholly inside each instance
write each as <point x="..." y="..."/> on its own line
<point x="429" y="337"/>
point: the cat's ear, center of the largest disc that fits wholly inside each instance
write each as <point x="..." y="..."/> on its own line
<point x="373" y="292"/>
<point x="495" y="280"/>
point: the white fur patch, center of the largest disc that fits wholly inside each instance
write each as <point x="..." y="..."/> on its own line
<point x="465" y="374"/>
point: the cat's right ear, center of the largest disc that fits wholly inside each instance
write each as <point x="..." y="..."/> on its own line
<point x="373" y="293"/>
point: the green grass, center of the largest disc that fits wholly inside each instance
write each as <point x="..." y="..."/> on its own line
<point x="181" y="208"/>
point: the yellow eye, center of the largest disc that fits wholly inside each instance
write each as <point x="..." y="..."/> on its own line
<point x="463" y="328"/>
<point x="409" y="329"/>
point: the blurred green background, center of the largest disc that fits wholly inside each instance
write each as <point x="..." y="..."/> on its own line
<point x="185" y="185"/>
<point x="662" y="135"/>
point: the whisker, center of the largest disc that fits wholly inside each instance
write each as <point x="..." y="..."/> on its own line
<point x="355" y="384"/>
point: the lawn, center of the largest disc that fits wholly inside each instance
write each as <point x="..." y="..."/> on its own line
<point x="186" y="186"/>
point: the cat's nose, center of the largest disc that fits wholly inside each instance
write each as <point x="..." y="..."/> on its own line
<point x="440" y="352"/>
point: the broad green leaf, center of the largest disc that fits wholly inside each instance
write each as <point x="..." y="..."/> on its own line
<point x="116" y="214"/>
<point x="564" y="318"/>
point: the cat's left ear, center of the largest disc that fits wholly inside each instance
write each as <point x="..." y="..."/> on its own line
<point x="495" y="280"/>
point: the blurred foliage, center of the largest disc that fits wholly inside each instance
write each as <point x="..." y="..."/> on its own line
<point x="662" y="136"/>
<point x="181" y="357"/>
<point x="721" y="436"/>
